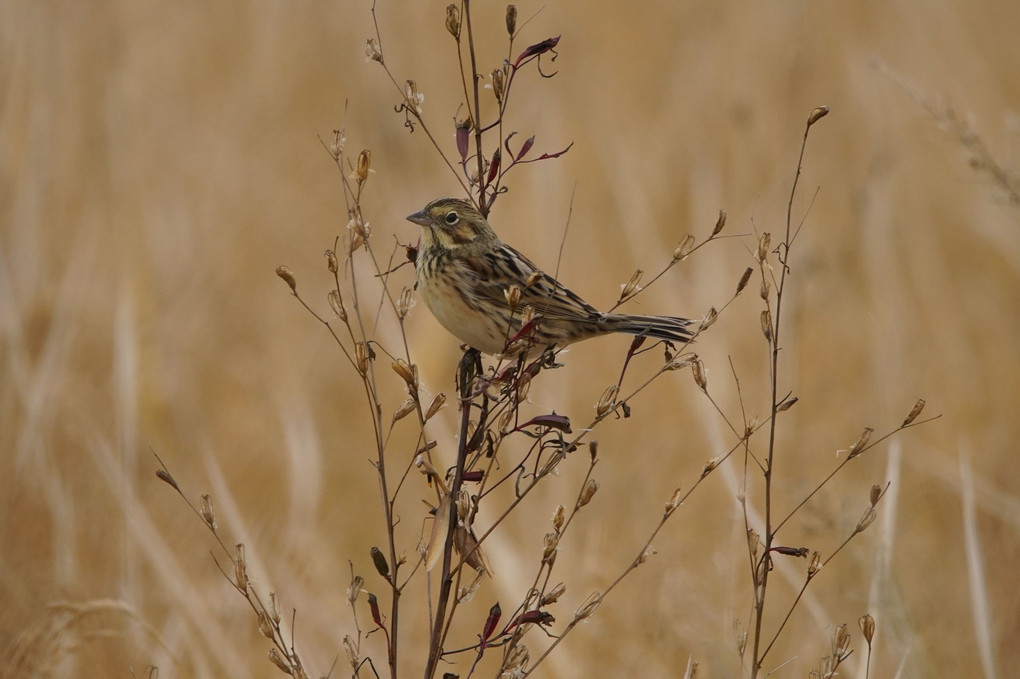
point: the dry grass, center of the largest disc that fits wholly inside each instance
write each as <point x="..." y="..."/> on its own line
<point x="159" y="162"/>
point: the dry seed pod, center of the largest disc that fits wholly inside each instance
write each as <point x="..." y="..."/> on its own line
<point x="631" y="287"/>
<point x="372" y="50"/>
<point x="588" y="493"/>
<point x="405" y="409"/>
<point x="867" y="624"/>
<point x="207" y="512"/>
<point x="274" y="608"/>
<point x="764" y="241"/>
<point x="914" y="412"/>
<point x="719" y="224"/>
<point x="288" y="277"/>
<point x="511" y="19"/>
<point x="607" y="400"/>
<point x="700" y="377"/>
<point x="766" y="324"/>
<point x="553" y="596"/>
<point x="436" y="404"/>
<point x="684" y="248"/>
<point x="363" y="166"/>
<point x="588" y="607"/>
<point x="550" y="542"/>
<point x="337" y="305"/>
<point x="275" y="658"/>
<point x="817" y="114"/>
<point x="744" y="278"/>
<point x="453" y="20"/>
<point x="858" y="447"/>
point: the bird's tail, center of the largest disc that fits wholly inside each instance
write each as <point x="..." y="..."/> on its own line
<point x="670" y="328"/>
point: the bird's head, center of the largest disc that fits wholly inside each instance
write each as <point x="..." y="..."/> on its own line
<point x="452" y="223"/>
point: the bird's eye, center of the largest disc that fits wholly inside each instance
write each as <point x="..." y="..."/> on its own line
<point x="452" y="218"/>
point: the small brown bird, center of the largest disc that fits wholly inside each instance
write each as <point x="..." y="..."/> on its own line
<point x="465" y="275"/>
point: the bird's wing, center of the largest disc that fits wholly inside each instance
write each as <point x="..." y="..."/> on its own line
<point x="546" y="295"/>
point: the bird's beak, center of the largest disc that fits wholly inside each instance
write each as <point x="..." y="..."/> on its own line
<point x="420" y="218"/>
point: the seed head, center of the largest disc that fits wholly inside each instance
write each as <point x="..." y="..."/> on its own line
<point x="274" y="608"/>
<point x="700" y="377"/>
<point x="744" y="278"/>
<point x="513" y="296"/>
<point x="764" y="241"/>
<point x="674" y="501"/>
<point x="684" y="248"/>
<point x="709" y="318"/>
<point x="511" y="19"/>
<point x="413" y="98"/>
<point x="553" y="595"/>
<point x="817" y="114"/>
<point x="607" y="400"/>
<point x="283" y="665"/>
<point x="331" y="261"/>
<point x="631" y="287"/>
<point x="550" y="542"/>
<point x="372" y="50"/>
<point x="588" y="606"/>
<point x="207" y="512"/>
<point x="337" y="305"/>
<point x="559" y="516"/>
<point x="363" y="166"/>
<point x="719" y="224"/>
<point x="354" y="589"/>
<point x="434" y="407"/>
<point x="404" y="302"/>
<point x="497" y="83"/>
<point x="588" y="493"/>
<point x="914" y="412"/>
<point x="858" y="447"/>
<point x="867" y="624"/>
<point x="288" y="277"/>
<point x="453" y="21"/>
<point x="766" y="324"/>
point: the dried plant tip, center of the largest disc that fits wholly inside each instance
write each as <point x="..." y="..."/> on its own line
<point x="766" y="324"/>
<point x="817" y="115"/>
<point x="587" y="493"/>
<point x="674" y="501"/>
<point x="240" y="568"/>
<point x="607" y="401"/>
<point x="363" y="166"/>
<point x="700" y="375"/>
<point x="549" y="544"/>
<point x="867" y="624"/>
<point x="914" y="412"/>
<point x="408" y="373"/>
<point x="753" y="543"/>
<point x="744" y="279"/>
<point x="645" y="553"/>
<point x="351" y="651"/>
<point x="840" y="642"/>
<point x="413" y="98"/>
<point x="511" y="19"/>
<point x="274" y="657"/>
<point x="336" y="147"/>
<point x="588" y="607"/>
<point x="379" y="561"/>
<point x="709" y="319"/>
<point x="559" y="517"/>
<point x="858" y="447"/>
<point x="709" y="467"/>
<point x="875" y="495"/>
<point x="164" y="476"/>
<point x="763" y="291"/>
<point x="354" y="589"/>
<point x="337" y="305"/>
<point x="434" y="407"/>
<point x="265" y="626"/>
<point x="719" y="224"/>
<point x="288" y="277"/>
<point x="593" y="450"/>
<point x="513" y="296"/>
<point x="866" y="520"/>
<point x="362" y="355"/>
<point x="631" y="287"/>
<point x="463" y="505"/>
<point x="453" y="20"/>
<point x="682" y="250"/>
<point x="497" y="79"/>
<point x="404" y="302"/>
<point x="764" y="242"/>
<point x="274" y="608"/>
<point x="815" y="564"/>
<point x="553" y="596"/>
<point x="681" y="361"/>
<point x="372" y="50"/>
<point x="332" y="262"/>
<point x="516" y="663"/>
<point x="787" y="404"/>
<point x="207" y="512"/>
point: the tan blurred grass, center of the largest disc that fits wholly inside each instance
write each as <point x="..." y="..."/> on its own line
<point x="159" y="161"/>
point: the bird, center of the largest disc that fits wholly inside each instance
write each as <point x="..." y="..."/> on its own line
<point x="483" y="291"/>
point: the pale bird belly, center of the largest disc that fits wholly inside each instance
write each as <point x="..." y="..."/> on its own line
<point x="464" y="322"/>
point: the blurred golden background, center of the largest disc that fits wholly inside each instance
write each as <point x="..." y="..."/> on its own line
<point x="159" y="160"/>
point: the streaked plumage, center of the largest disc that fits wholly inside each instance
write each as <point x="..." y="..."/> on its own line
<point x="464" y="272"/>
